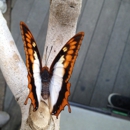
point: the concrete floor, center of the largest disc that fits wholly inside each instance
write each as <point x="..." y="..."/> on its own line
<point x="81" y="119"/>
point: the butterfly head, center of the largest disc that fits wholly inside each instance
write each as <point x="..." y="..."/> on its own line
<point x="45" y="74"/>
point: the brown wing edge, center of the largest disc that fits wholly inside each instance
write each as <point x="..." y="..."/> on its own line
<point x="63" y="100"/>
<point x="32" y="94"/>
<point x="79" y="34"/>
<point x="65" y="90"/>
<point x="71" y="58"/>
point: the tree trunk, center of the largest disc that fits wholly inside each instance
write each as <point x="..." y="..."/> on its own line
<point x="61" y="27"/>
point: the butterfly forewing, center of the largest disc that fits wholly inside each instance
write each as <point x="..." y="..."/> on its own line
<point x="61" y="70"/>
<point x="33" y="64"/>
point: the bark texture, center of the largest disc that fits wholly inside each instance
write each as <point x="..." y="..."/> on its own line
<point x="62" y="25"/>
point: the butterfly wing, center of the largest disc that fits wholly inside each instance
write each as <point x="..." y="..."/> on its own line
<point x="61" y="70"/>
<point x="33" y="64"/>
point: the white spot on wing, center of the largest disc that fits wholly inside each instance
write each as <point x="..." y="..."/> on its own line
<point x="56" y="83"/>
<point x="37" y="77"/>
<point x="58" y="69"/>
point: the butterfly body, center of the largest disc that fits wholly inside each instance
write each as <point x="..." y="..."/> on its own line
<point x="45" y="77"/>
<point x="50" y="83"/>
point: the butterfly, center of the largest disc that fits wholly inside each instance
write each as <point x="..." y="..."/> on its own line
<point x="50" y="83"/>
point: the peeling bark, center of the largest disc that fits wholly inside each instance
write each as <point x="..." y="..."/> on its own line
<point x="61" y="27"/>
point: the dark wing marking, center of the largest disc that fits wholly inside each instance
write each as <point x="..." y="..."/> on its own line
<point x="33" y="65"/>
<point x="61" y="70"/>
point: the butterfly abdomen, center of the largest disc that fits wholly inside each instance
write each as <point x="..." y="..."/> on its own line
<point x="45" y="76"/>
<point x="45" y="91"/>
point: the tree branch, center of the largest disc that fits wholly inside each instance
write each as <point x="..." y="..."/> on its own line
<point x="62" y="24"/>
<point x="13" y="67"/>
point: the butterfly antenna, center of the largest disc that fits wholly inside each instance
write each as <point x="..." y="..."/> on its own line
<point x="46" y="56"/>
<point x="49" y="54"/>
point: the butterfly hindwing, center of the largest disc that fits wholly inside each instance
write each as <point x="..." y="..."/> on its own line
<point x="61" y="70"/>
<point x="33" y="64"/>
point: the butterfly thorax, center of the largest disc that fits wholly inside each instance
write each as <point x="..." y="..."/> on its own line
<point x="45" y="76"/>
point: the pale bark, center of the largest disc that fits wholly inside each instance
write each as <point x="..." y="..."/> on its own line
<point x="62" y="26"/>
<point x="13" y="68"/>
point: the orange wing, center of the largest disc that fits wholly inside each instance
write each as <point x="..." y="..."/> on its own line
<point x="33" y="64"/>
<point x="63" y="64"/>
